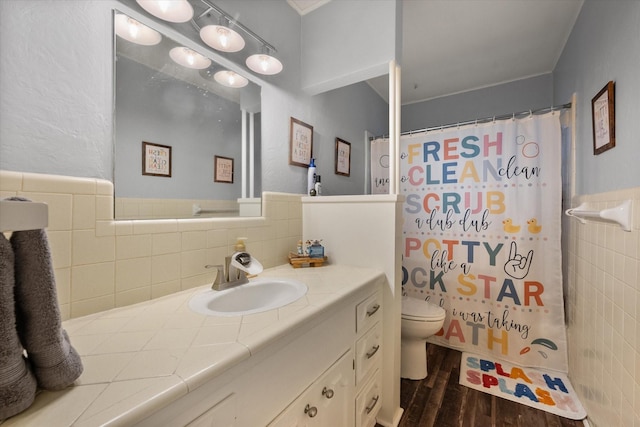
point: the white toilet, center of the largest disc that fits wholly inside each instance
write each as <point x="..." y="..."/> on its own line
<point x="420" y="320"/>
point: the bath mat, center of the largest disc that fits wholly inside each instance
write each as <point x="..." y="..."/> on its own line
<point x="547" y="390"/>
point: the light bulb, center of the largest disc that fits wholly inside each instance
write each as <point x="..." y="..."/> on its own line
<point x="264" y="63"/>
<point x="135" y="32"/>
<point x="169" y="10"/>
<point x="223" y="36"/>
<point x="164" y="5"/>
<point x="189" y="58"/>
<point x="230" y="79"/>
<point x="133" y="28"/>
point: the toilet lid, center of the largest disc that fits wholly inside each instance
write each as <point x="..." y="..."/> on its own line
<point x="421" y="310"/>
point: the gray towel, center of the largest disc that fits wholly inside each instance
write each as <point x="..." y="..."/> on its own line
<point x="54" y="361"/>
<point x="17" y="383"/>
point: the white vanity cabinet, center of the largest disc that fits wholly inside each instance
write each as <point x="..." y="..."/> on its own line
<point x="305" y="377"/>
<point x="327" y="402"/>
<point x="356" y="375"/>
<point x="222" y="413"/>
<point x="368" y="361"/>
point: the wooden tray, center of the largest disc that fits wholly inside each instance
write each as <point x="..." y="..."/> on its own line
<point x="298" y="261"/>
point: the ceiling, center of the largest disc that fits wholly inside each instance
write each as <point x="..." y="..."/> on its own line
<point x="453" y="46"/>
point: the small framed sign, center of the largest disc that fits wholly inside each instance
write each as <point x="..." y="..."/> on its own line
<point x="156" y="159"/>
<point x="300" y="143"/>
<point x="343" y="157"/>
<point x="223" y="169"/>
<point x="604" y="119"/>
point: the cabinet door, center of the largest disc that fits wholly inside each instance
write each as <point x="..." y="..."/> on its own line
<point x="329" y="401"/>
<point x="222" y="414"/>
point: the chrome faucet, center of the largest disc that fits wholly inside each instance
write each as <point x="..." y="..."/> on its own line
<point x="228" y="274"/>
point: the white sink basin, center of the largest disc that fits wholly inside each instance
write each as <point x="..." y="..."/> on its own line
<point x="254" y="297"/>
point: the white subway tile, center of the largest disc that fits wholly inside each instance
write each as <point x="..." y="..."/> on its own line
<point x="133" y="273"/>
<point x="133" y="246"/>
<point x="89" y="249"/>
<point x="165" y="268"/>
<point x="92" y="280"/>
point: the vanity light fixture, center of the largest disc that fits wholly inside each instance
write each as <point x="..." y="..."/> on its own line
<point x="135" y="32"/>
<point x="189" y="58"/>
<point x="221" y="37"/>
<point x="169" y="10"/>
<point x="264" y="63"/>
<point x="230" y="79"/>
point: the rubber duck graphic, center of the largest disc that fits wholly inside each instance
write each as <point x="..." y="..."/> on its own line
<point x="509" y="227"/>
<point x="533" y="226"/>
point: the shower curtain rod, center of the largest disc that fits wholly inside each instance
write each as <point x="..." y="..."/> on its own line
<point x="485" y="120"/>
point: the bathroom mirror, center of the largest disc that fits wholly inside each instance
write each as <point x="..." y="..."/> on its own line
<point x="182" y="139"/>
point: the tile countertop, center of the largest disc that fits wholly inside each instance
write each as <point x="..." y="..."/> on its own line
<point x="140" y="358"/>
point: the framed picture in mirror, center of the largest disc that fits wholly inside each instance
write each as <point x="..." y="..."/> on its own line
<point x="223" y="169"/>
<point x="156" y="159"/>
<point x="300" y="143"/>
<point x="343" y="157"/>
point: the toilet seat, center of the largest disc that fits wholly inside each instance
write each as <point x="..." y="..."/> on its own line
<point x="422" y="311"/>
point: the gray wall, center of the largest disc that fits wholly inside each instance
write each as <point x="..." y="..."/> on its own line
<point x="513" y="97"/>
<point x="56" y="81"/>
<point x="604" y="45"/>
<point x="57" y="93"/>
<point x="346" y="42"/>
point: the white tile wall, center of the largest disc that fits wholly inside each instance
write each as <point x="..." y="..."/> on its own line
<point x="101" y="263"/>
<point x="603" y="313"/>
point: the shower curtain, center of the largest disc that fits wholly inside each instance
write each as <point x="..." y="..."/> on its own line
<point x="380" y="166"/>
<point x="481" y="236"/>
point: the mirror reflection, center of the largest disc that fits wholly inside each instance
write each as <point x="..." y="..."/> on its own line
<point x="184" y="129"/>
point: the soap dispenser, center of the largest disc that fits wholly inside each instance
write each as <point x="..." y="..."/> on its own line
<point x="240" y="246"/>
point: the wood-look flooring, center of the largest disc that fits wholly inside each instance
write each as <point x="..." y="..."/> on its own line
<point x="439" y="400"/>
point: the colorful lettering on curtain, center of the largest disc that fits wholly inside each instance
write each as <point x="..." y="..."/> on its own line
<point x="481" y="236"/>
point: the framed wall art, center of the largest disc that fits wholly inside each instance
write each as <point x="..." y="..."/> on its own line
<point x="223" y="169"/>
<point x="156" y="159"/>
<point x="604" y="121"/>
<point x="300" y="143"/>
<point x="343" y="157"/>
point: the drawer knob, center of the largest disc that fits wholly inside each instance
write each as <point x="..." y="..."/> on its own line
<point x="327" y="392"/>
<point x="312" y="411"/>
<point x="374" y="401"/>
<point x="373" y="310"/>
<point x="373" y="351"/>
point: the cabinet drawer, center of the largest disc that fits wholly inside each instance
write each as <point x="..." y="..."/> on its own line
<point x="368" y="401"/>
<point x="368" y="352"/>
<point x="368" y="312"/>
